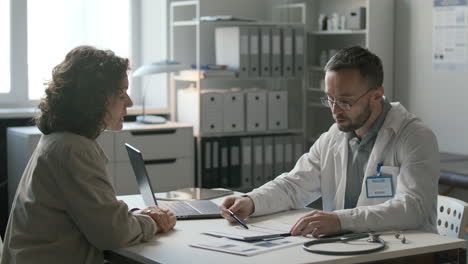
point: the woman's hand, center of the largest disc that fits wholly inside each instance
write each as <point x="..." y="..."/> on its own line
<point x="165" y="219"/>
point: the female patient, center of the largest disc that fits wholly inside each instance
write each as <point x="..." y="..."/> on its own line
<point x="65" y="209"/>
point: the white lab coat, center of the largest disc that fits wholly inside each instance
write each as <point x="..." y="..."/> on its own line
<point x="409" y="152"/>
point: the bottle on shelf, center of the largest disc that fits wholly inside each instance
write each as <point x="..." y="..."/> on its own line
<point x="334" y="22"/>
<point x="322" y="22"/>
<point x="343" y="22"/>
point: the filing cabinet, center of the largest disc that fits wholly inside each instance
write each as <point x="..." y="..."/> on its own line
<point x="168" y="150"/>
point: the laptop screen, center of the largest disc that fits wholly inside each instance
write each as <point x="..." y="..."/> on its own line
<point x="138" y="164"/>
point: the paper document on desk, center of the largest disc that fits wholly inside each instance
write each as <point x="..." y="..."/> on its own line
<point x="244" y="248"/>
<point x="258" y="231"/>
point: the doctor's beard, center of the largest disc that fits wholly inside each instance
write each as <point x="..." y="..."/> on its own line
<point x="352" y="124"/>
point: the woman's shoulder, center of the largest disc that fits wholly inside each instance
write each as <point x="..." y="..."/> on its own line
<point x="64" y="143"/>
<point x="66" y="139"/>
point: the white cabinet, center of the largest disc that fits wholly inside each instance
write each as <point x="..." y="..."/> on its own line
<point x="21" y="143"/>
<point x="168" y="150"/>
<point x="165" y="175"/>
<point x="169" y="142"/>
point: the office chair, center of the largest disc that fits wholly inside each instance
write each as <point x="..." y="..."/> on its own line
<point x="451" y="216"/>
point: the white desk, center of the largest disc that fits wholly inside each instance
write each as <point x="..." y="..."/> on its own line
<point x="173" y="247"/>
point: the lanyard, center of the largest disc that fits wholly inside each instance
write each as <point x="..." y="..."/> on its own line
<point x="379" y="169"/>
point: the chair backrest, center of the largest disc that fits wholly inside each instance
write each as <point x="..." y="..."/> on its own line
<point x="451" y="216"/>
<point x="1" y="247"/>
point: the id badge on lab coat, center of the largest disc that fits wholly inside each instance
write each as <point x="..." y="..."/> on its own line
<point x="379" y="186"/>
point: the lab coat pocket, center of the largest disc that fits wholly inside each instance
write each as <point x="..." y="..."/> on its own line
<point x="392" y="171"/>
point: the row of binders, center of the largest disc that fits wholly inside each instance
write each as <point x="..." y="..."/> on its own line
<point x="247" y="162"/>
<point x="226" y="111"/>
<point x="261" y="51"/>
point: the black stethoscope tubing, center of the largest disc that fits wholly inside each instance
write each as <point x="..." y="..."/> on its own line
<point x="306" y="246"/>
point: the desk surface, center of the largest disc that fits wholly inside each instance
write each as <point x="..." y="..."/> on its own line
<point x="173" y="247"/>
<point x="446" y="156"/>
<point x="454" y="163"/>
<point x="459" y="167"/>
<point x="454" y="170"/>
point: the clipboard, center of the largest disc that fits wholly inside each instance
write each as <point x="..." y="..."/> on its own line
<point x="267" y="230"/>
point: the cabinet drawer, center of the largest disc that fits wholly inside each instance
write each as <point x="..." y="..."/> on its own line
<point x="165" y="175"/>
<point x="156" y="144"/>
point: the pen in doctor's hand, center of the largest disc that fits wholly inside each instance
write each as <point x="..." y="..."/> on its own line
<point x="237" y="219"/>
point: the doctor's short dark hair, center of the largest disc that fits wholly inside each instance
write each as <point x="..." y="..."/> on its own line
<point x="82" y="86"/>
<point x="367" y="63"/>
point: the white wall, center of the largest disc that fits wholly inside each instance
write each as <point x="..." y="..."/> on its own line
<point x="440" y="99"/>
<point x="150" y="32"/>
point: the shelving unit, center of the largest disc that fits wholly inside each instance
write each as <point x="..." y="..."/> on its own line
<point x="377" y="37"/>
<point x="316" y="105"/>
<point x="191" y="41"/>
<point x="338" y="32"/>
<point x="184" y="23"/>
<point x="315" y="90"/>
<point x="265" y="133"/>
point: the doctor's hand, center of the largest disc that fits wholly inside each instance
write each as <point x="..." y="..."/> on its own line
<point x="242" y="207"/>
<point x="165" y="219"/>
<point x="317" y="223"/>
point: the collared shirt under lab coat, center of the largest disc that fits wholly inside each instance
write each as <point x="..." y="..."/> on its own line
<point x="65" y="209"/>
<point x="409" y="152"/>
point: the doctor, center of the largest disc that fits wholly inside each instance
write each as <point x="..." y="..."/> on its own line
<point x="376" y="168"/>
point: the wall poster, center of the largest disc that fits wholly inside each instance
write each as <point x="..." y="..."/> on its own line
<point x="449" y="35"/>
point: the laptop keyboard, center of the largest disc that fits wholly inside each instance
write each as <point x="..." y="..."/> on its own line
<point x="178" y="208"/>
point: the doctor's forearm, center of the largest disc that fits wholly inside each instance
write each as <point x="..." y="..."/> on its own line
<point x="394" y="214"/>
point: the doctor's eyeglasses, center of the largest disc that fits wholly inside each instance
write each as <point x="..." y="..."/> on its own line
<point x="345" y="106"/>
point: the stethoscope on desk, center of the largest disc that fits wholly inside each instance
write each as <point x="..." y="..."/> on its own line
<point x="373" y="237"/>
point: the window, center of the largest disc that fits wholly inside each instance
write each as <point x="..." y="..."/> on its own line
<point x="42" y="32"/>
<point x="5" y="46"/>
<point x="104" y="24"/>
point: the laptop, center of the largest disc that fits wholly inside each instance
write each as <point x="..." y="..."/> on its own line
<point x="193" y="209"/>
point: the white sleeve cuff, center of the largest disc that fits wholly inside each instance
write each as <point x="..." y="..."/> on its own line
<point x="257" y="203"/>
<point x="346" y="219"/>
<point x="148" y="226"/>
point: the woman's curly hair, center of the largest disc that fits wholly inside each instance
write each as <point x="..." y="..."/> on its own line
<point x="80" y="91"/>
